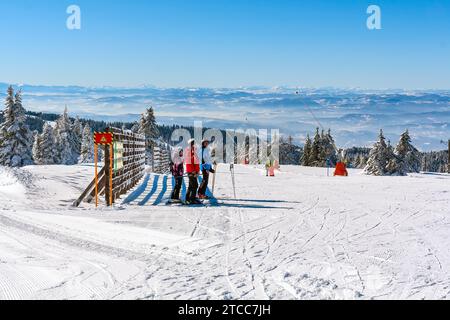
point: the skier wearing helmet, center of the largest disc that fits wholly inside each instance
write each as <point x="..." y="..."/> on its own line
<point x="177" y="170"/>
<point x="193" y="170"/>
<point x="206" y="168"/>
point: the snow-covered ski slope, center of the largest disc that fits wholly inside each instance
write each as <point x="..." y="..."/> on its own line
<point x="300" y="235"/>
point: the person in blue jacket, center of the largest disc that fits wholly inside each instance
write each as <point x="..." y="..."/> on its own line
<point x="206" y="167"/>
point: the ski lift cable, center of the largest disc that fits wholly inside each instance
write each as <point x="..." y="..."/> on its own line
<point x="312" y="113"/>
<point x="320" y="125"/>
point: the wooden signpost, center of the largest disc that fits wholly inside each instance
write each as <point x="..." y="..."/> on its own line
<point x="105" y="139"/>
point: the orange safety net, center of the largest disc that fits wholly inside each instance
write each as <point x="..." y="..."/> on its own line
<point x="341" y="170"/>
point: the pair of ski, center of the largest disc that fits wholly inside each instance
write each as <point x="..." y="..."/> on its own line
<point x="188" y="204"/>
<point x="202" y="203"/>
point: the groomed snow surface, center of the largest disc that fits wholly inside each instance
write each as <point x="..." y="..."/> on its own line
<point x="300" y="235"/>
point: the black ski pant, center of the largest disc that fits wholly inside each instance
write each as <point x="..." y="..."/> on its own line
<point x="177" y="188"/>
<point x="204" y="184"/>
<point x="191" y="194"/>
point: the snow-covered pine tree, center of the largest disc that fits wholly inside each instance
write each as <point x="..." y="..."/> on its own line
<point x="8" y="114"/>
<point x="77" y="128"/>
<point x="409" y="157"/>
<point x="37" y="148"/>
<point x="394" y="166"/>
<point x="149" y="129"/>
<point x="329" y="149"/>
<point x="356" y="157"/>
<point x="320" y="150"/>
<point x="135" y="127"/>
<point x="16" y="138"/>
<point x="49" y="146"/>
<point x="66" y="140"/>
<point x="361" y="162"/>
<point x="380" y="158"/>
<point x="290" y="154"/>
<point x="323" y="150"/>
<point x="307" y="152"/>
<point x="87" y="146"/>
<point x="314" y="157"/>
<point x="44" y="148"/>
<point x="435" y="161"/>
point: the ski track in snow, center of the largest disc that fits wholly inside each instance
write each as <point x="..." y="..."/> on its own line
<point x="300" y="235"/>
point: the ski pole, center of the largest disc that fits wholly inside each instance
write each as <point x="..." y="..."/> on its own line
<point x="233" y="180"/>
<point x="214" y="179"/>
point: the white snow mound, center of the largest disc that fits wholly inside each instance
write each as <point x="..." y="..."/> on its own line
<point x="11" y="183"/>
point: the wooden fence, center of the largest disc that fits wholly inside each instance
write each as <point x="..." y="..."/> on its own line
<point x="128" y="168"/>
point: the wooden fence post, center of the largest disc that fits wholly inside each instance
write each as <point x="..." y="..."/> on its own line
<point x="96" y="174"/>
<point x="448" y="164"/>
<point x="111" y="174"/>
<point x="108" y="174"/>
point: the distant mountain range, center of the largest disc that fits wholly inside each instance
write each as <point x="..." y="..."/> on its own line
<point x="354" y="115"/>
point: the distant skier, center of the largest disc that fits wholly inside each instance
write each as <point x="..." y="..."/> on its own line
<point x="206" y="166"/>
<point x="270" y="168"/>
<point x="193" y="170"/>
<point x="177" y="170"/>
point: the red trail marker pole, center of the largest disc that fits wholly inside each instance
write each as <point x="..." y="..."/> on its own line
<point x="111" y="160"/>
<point x="96" y="174"/>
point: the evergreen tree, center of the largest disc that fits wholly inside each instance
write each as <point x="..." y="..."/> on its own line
<point x="135" y="127"/>
<point x="329" y="152"/>
<point x="393" y="166"/>
<point x="49" y="146"/>
<point x="149" y="129"/>
<point x="66" y="140"/>
<point x="289" y="153"/>
<point x="44" y="148"/>
<point x="307" y="152"/>
<point x="37" y="149"/>
<point x="320" y="151"/>
<point x="9" y="113"/>
<point x="290" y="140"/>
<point x="361" y="162"/>
<point x="77" y="129"/>
<point x="323" y="150"/>
<point x="87" y="146"/>
<point x="381" y="158"/>
<point x="356" y="157"/>
<point x="16" y="138"/>
<point x="409" y="157"/>
<point x="314" y="157"/>
<point x="435" y="161"/>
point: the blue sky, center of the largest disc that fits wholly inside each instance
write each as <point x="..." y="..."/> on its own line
<point x="227" y="43"/>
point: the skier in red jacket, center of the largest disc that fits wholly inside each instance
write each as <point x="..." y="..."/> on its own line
<point x="193" y="170"/>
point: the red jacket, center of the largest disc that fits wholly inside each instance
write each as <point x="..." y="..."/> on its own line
<point x="191" y="160"/>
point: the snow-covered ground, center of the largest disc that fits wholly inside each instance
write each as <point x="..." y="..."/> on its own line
<point x="300" y="235"/>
